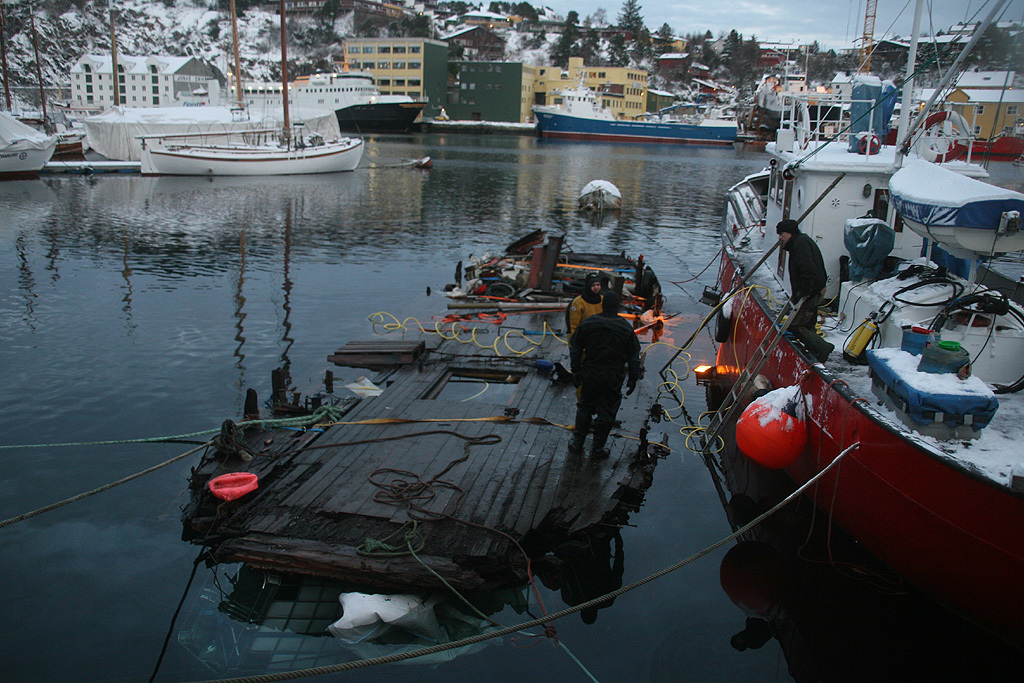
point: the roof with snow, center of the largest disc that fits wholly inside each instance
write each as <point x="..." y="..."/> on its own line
<point x="674" y="55"/>
<point x="990" y="96"/>
<point x="138" y="65"/>
<point x="986" y="79"/>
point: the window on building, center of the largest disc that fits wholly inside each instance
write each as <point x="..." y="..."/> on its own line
<point x="398" y="65"/>
<point x="88" y="88"/>
<point x="399" y="50"/>
<point x="414" y="49"/>
<point x="88" y="98"/>
<point x="414" y="82"/>
<point x="415" y="65"/>
<point x="156" y="100"/>
<point x="383" y="65"/>
<point x="385" y="49"/>
<point x="369" y="65"/>
<point x="384" y="82"/>
<point x="413" y="93"/>
<point x="1011" y="110"/>
<point x="86" y="68"/>
<point x="979" y="109"/>
<point x="977" y="130"/>
<point x="400" y="82"/>
<point x="353" y="49"/>
<point x="88" y="78"/>
<point x="369" y="49"/>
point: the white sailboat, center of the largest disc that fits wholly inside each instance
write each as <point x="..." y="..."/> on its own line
<point x="311" y="154"/>
<point x="24" y="151"/>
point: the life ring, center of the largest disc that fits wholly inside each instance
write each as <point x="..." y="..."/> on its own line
<point x="233" y="485"/>
<point x="869" y="144"/>
<point x="940" y="134"/>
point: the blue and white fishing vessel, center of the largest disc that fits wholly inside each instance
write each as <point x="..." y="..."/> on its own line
<point x="580" y="116"/>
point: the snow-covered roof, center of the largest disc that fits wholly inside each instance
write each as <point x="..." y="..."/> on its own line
<point x="674" y="55"/>
<point x="986" y="79"/>
<point x="660" y="93"/>
<point x="990" y="96"/>
<point x="458" y="31"/>
<point x="130" y="64"/>
<point x="493" y="16"/>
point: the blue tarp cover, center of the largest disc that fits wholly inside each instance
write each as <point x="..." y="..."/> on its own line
<point x="925" y="392"/>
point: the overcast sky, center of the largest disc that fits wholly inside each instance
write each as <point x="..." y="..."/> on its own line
<point x="833" y="23"/>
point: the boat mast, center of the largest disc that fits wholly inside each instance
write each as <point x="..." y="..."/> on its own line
<point x="906" y="133"/>
<point x="113" y="58"/>
<point x="908" y="82"/>
<point x="238" y="62"/>
<point x="284" y="80"/>
<point x="3" y="53"/>
<point x="39" y="68"/>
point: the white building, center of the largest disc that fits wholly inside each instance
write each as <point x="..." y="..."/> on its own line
<point x="156" y="81"/>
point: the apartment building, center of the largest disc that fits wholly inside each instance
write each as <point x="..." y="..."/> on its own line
<point x="155" y="81"/>
<point x="416" y="67"/>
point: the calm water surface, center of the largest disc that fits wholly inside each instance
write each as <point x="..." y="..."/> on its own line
<point x="138" y="307"/>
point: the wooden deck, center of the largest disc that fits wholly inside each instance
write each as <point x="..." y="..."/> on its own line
<point x="475" y="474"/>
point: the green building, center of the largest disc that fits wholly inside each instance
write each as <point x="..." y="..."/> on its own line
<point x="492" y="91"/>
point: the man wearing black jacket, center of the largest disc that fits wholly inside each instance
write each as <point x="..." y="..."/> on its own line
<point x="600" y="352"/>
<point x="807" y="278"/>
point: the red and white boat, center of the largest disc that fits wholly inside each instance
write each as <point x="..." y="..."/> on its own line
<point x="934" y="483"/>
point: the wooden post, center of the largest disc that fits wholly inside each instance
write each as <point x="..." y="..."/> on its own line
<point x="554" y="248"/>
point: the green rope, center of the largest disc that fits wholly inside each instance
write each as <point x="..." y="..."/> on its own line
<point x="409" y="531"/>
<point x="321" y="414"/>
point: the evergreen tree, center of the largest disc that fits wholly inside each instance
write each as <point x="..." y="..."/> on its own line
<point x="568" y="45"/>
<point x="630" y="18"/>
<point x="617" y="53"/>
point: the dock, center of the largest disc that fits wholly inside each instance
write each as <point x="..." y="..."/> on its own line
<point x="458" y="469"/>
<point x="85" y="166"/>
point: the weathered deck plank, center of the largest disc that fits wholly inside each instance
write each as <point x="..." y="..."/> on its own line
<point x="316" y="506"/>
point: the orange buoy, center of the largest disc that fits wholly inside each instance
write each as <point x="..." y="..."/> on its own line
<point x="771" y="435"/>
<point x="233" y="485"/>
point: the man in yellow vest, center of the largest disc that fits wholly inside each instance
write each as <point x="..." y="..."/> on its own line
<point x="585" y="305"/>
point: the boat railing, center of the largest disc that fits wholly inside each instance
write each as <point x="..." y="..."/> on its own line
<point x="820" y="116"/>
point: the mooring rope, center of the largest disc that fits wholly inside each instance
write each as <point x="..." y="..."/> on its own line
<point x="80" y="496"/>
<point x="509" y="630"/>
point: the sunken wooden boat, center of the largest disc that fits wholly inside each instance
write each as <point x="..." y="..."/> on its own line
<point x="457" y="468"/>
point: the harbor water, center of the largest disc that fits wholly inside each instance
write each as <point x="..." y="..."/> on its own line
<point x="133" y="308"/>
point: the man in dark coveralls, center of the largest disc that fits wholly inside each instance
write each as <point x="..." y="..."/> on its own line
<point x="807" y="278"/>
<point x="603" y="348"/>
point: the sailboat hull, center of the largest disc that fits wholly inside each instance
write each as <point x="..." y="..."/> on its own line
<point x="334" y="157"/>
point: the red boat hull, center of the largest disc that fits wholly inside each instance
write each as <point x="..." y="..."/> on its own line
<point x="955" y="535"/>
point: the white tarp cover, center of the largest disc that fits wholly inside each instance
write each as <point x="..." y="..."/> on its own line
<point x="15" y="136"/>
<point x="115" y="133"/>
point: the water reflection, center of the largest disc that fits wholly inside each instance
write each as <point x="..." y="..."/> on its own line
<point x="248" y="619"/>
<point x="837" y="613"/>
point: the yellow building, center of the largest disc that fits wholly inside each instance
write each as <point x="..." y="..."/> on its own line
<point x="415" y="67"/>
<point x="989" y="112"/>
<point x="623" y="90"/>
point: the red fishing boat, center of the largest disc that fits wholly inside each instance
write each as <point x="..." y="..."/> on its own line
<point x="930" y="474"/>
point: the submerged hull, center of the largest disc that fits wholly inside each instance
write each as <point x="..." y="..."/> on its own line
<point x="953" y="533"/>
<point x="389" y="117"/>
<point x="227" y="161"/>
<point x="559" y="125"/>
